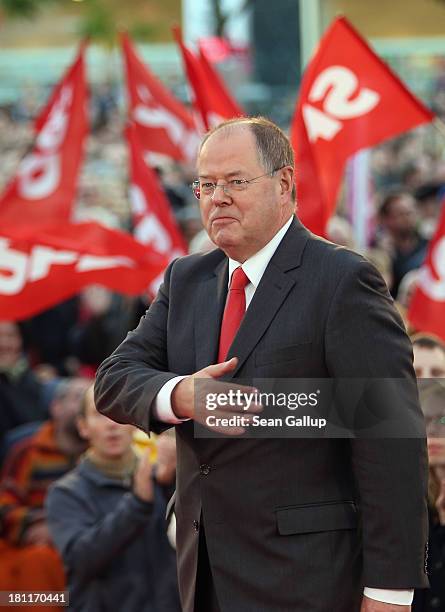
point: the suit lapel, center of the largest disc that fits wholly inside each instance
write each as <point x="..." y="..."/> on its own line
<point x="210" y="301"/>
<point x="273" y="289"/>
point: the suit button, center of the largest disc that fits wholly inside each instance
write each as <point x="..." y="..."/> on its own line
<point x="204" y="469"/>
<point x="196" y="525"/>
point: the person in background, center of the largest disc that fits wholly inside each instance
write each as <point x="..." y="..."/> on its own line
<point x="21" y="394"/>
<point x="407" y="288"/>
<point x="28" y="559"/>
<point x="432" y="400"/>
<point x="398" y="218"/>
<point x="35" y="462"/>
<point x="107" y="519"/>
<point x="48" y="334"/>
<point x="429" y="356"/>
<point x="429" y="364"/>
<point x="429" y="198"/>
<point x="103" y="323"/>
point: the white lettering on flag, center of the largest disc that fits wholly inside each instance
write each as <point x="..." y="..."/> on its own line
<point x="335" y="86"/>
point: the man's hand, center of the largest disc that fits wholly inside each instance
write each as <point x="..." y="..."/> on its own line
<point x="183" y="396"/>
<point x="205" y="382"/>
<point x="371" y="605"/>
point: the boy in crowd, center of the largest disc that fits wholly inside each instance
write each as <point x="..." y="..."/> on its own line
<point x="107" y="519"/>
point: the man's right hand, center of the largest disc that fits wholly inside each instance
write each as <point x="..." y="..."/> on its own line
<point x="184" y="402"/>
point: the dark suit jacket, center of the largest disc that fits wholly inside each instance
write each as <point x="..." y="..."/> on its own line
<point x="291" y="524"/>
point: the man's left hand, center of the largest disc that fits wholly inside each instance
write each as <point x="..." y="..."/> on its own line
<point x="371" y="605"/>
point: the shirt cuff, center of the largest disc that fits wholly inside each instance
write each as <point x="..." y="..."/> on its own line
<point x="400" y="598"/>
<point x="162" y="409"/>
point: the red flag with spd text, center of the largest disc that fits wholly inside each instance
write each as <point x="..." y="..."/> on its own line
<point x="163" y="124"/>
<point x="44" y="187"/>
<point x="153" y="221"/>
<point x="40" y="268"/>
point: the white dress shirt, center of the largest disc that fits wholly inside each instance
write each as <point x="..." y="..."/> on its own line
<point x="254" y="268"/>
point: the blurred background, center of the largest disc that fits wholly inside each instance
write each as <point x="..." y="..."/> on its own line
<point x="260" y="48"/>
<point x="270" y="44"/>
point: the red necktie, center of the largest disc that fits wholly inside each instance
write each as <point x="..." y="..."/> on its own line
<point x="233" y="312"/>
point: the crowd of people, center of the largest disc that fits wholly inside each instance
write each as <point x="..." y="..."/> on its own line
<point x="81" y="502"/>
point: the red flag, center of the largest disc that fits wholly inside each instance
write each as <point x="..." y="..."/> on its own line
<point x="349" y="100"/>
<point x="211" y="97"/>
<point x="427" y="306"/>
<point x="226" y="103"/>
<point x="154" y="223"/>
<point x="163" y="124"/>
<point x="41" y="268"/>
<point x="44" y="187"/>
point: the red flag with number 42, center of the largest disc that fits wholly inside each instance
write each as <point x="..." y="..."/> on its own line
<point x="349" y="100"/>
<point x="427" y="307"/>
<point x="44" y="187"/>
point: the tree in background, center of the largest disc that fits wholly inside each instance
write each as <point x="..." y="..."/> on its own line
<point x="22" y="8"/>
<point x="100" y="20"/>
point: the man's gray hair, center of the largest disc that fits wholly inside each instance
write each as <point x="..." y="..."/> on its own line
<point x="273" y="147"/>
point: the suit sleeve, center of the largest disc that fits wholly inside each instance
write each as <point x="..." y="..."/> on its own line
<point x="365" y="340"/>
<point x="128" y="381"/>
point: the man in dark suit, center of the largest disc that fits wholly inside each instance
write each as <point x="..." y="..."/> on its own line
<point x="325" y="524"/>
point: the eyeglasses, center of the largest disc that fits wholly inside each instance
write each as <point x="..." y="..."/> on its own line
<point x="208" y="189"/>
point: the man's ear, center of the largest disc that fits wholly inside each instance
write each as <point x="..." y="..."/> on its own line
<point x="287" y="181"/>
